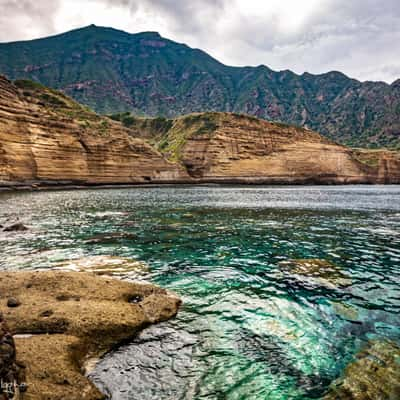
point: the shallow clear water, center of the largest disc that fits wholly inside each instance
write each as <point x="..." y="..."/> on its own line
<point x="252" y="326"/>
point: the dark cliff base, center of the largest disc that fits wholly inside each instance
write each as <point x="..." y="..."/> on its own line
<point x="55" y="187"/>
<point x="64" y="185"/>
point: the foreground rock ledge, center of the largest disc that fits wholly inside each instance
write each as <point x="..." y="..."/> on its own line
<point x="67" y="318"/>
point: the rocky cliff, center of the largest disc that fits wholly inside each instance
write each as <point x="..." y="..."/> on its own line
<point x="46" y="138"/>
<point x="226" y="147"/>
<point x="150" y="75"/>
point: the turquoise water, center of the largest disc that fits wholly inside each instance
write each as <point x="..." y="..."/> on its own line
<point x="256" y="323"/>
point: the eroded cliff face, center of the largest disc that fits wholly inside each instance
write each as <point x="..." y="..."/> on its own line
<point x="383" y="165"/>
<point x="231" y="147"/>
<point x="46" y="137"/>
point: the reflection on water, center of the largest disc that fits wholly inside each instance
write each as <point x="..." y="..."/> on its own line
<point x="281" y="286"/>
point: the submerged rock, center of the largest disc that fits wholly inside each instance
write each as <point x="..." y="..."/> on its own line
<point x="112" y="237"/>
<point x="374" y="375"/>
<point x="106" y="265"/>
<point x="316" y="272"/>
<point x="278" y="329"/>
<point x="72" y="317"/>
<point x="159" y="363"/>
<point x="346" y="311"/>
<point x="15" y="227"/>
<point x="272" y="352"/>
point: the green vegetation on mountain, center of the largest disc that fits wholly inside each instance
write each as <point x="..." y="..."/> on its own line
<point x="144" y="74"/>
<point x="170" y="135"/>
<point x="57" y="102"/>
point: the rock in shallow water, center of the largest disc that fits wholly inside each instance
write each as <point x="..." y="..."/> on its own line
<point x="61" y="340"/>
<point x="374" y="375"/>
<point x="106" y="265"/>
<point x="315" y="272"/>
<point x="15" y="227"/>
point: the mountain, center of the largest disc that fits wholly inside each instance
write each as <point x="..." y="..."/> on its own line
<point x="114" y="71"/>
<point x="46" y="138"/>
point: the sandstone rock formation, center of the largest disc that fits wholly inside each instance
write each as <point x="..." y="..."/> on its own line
<point x="48" y="139"/>
<point x="223" y="147"/>
<point x="67" y="318"/>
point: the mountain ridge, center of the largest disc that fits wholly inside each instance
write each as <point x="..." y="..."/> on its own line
<point x="153" y="76"/>
<point x="158" y="35"/>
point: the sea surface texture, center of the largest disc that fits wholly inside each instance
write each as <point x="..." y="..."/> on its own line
<point x="281" y="286"/>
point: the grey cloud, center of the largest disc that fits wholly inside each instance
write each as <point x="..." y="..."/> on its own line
<point x="183" y="15"/>
<point x="19" y="18"/>
<point x="354" y="36"/>
<point x="358" y="37"/>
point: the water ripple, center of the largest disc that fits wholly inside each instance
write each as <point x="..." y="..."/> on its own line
<point x="281" y="285"/>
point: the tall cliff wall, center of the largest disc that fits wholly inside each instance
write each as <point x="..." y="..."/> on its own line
<point x="47" y="138"/>
<point x="231" y="147"/>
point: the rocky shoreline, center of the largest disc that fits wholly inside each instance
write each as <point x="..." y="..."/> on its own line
<point x="38" y="187"/>
<point x="61" y="320"/>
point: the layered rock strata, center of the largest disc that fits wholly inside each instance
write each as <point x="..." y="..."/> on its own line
<point x="224" y="147"/>
<point x="48" y="139"/>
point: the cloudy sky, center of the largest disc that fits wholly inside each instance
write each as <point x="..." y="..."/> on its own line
<point x="358" y="37"/>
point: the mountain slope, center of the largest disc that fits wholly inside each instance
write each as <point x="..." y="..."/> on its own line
<point x="113" y="71"/>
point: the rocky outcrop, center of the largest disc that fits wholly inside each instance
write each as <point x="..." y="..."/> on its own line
<point x="15" y="227"/>
<point x="375" y="374"/>
<point x="65" y="319"/>
<point x="47" y="138"/>
<point x="222" y="147"/>
<point x="384" y="165"/>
